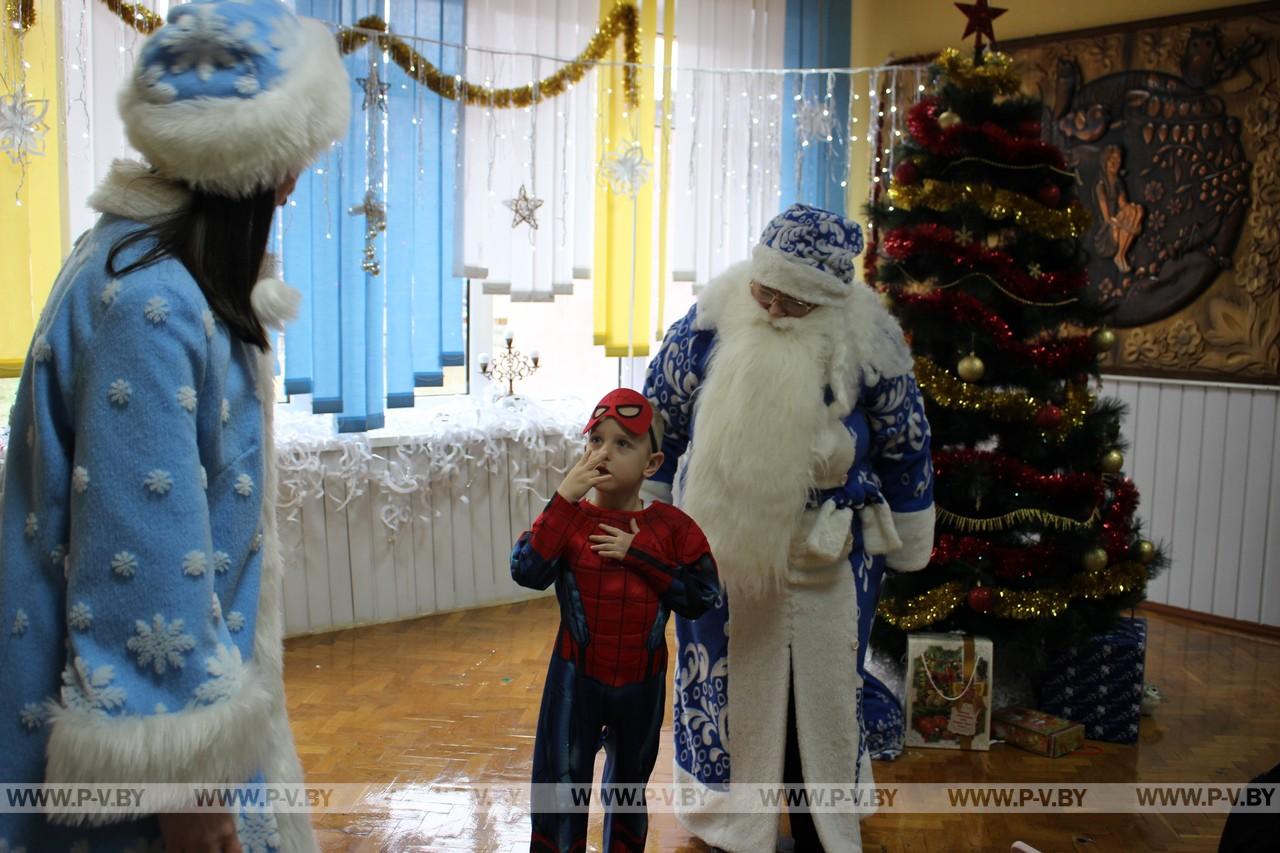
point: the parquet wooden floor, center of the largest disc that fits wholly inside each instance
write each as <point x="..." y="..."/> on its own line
<point x="454" y="698"/>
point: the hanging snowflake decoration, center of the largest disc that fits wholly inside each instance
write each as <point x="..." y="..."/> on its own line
<point x="814" y="122"/>
<point x="22" y="127"/>
<point x="626" y="170"/>
<point x="524" y="208"/>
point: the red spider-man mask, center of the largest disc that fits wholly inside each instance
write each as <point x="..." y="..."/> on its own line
<point x="629" y="408"/>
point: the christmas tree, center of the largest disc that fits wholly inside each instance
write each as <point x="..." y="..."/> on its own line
<point x="978" y="251"/>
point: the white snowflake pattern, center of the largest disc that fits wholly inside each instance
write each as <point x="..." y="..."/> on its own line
<point x="119" y="393"/>
<point x="40" y="349"/>
<point x="187" y="398"/>
<point x="815" y="122"/>
<point x="32" y="527"/>
<point x="156" y="310"/>
<point x="152" y="79"/>
<point x="248" y="85"/>
<point x="20" y="623"/>
<point x="200" y="39"/>
<point x="32" y="717"/>
<point x="91" y="690"/>
<point x="124" y="564"/>
<point x="209" y="327"/>
<point x="57" y="555"/>
<point x="80" y="617"/>
<point x="235" y="621"/>
<point x="255" y="544"/>
<point x="626" y="170"/>
<point x="216" y="609"/>
<point x="227" y="670"/>
<point x="194" y="564"/>
<point x="161" y="644"/>
<point x="22" y="125"/>
<point x="244" y="485"/>
<point x="158" y="482"/>
<point x="226" y="411"/>
<point x="110" y="292"/>
<point x="80" y="479"/>
<point x="258" y="832"/>
<point x="221" y="562"/>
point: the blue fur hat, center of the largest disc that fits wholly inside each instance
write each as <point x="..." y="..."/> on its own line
<point x="233" y="96"/>
<point x="809" y="254"/>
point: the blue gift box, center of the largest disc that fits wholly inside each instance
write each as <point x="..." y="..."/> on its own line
<point x="1099" y="683"/>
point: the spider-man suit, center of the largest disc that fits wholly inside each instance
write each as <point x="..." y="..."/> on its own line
<point x="606" y="684"/>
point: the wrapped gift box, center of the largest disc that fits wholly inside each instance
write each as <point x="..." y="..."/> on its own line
<point x="1037" y="731"/>
<point x="1099" y="683"/>
<point x="949" y="689"/>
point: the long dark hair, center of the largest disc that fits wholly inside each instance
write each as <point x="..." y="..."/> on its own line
<point x="221" y="241"/>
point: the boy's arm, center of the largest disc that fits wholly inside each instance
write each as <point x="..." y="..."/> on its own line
<point x="535" y="560"/>
<point x="688" y="585"/>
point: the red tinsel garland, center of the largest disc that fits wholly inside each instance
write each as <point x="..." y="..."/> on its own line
<point x="901" y="244"/>
<point x="987" y="139"/>
<point x="1061" y="355"/>
<point x="1117" y="524"/>
<point x="1076" y="487"/>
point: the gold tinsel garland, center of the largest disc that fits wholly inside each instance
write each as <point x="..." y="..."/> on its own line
<point x="21" y="13"/>
<point x="940" y="602"/>
<point x="622" y="21"/>
<point x="966" y="524"/>
<point x="1008" y="406"/>
<point x="942" y="196"/>
<point x="995" y="74"/>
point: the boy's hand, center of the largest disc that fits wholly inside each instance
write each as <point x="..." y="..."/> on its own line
<point x="583" y="476"/>
<point x="617" y="543"/>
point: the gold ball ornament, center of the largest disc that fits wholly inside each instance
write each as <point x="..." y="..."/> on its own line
<point x="948" y="120"/>
<point x="1112" y="462"/>
<point x="971" y="368"/>
<point x="1095" y="560"/>
<point x="1146" y="550"/>
<point x="1104" y="340"/>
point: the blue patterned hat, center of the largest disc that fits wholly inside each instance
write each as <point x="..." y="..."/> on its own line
<point x="232" y="96"/>
<point x="808" y="253"/>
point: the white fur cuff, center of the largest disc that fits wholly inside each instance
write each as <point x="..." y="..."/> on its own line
<point x="772" y="268"/>
<point x="916" y="532"/>
<point x="217" y="744"/>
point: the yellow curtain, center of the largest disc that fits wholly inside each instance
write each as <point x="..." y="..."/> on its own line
<point x="624" y="268"/>
<point x="33" y="236"/>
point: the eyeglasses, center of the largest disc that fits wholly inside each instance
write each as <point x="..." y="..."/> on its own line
<point x="767" y="296"/>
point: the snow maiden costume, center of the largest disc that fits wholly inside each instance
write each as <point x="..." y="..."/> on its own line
<point x="140" y="573"/>
<point x="808" y="468"/>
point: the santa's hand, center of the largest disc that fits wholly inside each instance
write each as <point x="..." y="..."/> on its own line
<point x="616" y="543"/>
<point x="583" y="476"/>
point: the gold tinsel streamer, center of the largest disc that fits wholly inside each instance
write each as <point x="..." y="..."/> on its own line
<point x="622" y="21"/>
<point x="940" y="602"/>
<point x="1053" y="223"/>
<point x="965" y="524"/>
<point x="1008" y="406"/>
<point x="997" y="285"/>
<point x="20" y="12"/>
<point x="995" y="74"/>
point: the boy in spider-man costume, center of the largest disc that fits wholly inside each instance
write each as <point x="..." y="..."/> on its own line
<point x="620" y="567"/>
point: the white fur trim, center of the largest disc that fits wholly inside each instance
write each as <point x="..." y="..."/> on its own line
<point x="219" y="743"/>
<point x="274" y="302"/>
<point x="132" y="190"/>
<point x="824" y="537"/>
<point x="239" y="146"/>
<point x="773" y="268"/>
<point x="879" y="534"/>
<point x="916" y="532"/>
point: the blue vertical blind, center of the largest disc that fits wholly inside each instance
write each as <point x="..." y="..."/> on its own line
<point x="365" y="340"/>
<point x="816" y="36"/>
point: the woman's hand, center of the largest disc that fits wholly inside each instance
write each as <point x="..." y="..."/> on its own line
<point x="583" y="476"/>
<point x="199" y="833"/>
<point x="614" y="543"/>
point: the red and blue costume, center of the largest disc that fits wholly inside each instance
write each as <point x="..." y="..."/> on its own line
<point x="606" y="683"/>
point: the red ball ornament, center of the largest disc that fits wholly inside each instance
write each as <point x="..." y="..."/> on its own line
<point x="906" y="172"/>
<point x="1050" y="195"/>
<point x="980" y="599"/>
<point x="1049" y="416"/>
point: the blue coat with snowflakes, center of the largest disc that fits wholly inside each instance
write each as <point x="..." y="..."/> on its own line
<point x="139" y="573"/>
<point x="890" y="476"/>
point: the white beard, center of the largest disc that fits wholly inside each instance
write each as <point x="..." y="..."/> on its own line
<point x="759" y="410"/>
